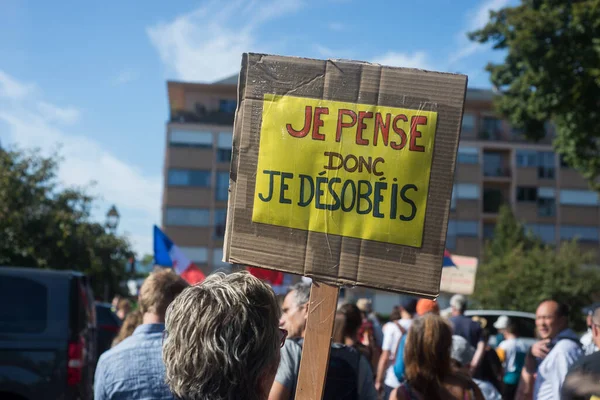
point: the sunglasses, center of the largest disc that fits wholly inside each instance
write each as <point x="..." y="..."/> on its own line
<point x="283" y="335"/>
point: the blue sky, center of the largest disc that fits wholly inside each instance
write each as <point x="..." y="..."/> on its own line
<point x="91" y="77"/>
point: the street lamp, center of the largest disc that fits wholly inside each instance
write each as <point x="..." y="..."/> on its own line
<point x="112" y="221"/>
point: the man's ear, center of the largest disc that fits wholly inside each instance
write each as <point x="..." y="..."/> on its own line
<point x="305" y="307"/>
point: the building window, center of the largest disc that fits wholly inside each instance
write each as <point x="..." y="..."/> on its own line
<point x="224" y="145"/>
<point x="466" y="191"/>
<point x="492" y="200"/>
<point x="181" y="138"/>
<point x="493" y="164"/>
<point x="583" y="233"/>
<point x="468" y="124"/>
<point x="188" y="177"/>
<point x="571" y="197"/>
<point x="220" y="221"/>
<point x="467" y="228"/>
<point x="187" y="216"/>
<point x="488" y="231"/>
<point x="546" y="164"/>
<point x="468" y="155"/>
<point x="526" y="158"/>
<point x="451" y="235"/>
<point x="491" y="128"/>
<point x="222" y="191"/>
<point x="546" y="232"/>
<point x="527" y="193"/>
<point x="198" y="255"/>
<point x="227" y="105"/>
<point x="28" y="315"/>
<point x="546" y="202"/>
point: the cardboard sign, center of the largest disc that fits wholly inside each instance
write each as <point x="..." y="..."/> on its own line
<point x="342" y="171"/>
<point x="460" y="279"/>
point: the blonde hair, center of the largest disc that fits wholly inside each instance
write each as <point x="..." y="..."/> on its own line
<point x="159" y="290"/>
<point x="132" y="321"/>
<point x="222" y="338"/>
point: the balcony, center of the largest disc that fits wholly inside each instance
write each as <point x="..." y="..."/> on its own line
<point x="202" y="117"/>
<point x="493" y="199"/>
<point x="496" y="165"/>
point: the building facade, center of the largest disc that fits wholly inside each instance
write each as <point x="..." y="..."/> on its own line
<point x="495" y="165"/>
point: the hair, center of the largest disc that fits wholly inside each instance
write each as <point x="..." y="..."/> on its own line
<point x="596" y="316"/>
<point x="562" y="310"/>
<point x="158" y="291"/>
<point x="395" y="314"/>
<point x="339" y="326"/>
<point x="427" y="355"/>
<point x="132" y="321"/>
<point x="301" y="293"/>
<point x="222" y="338"/>
<point x="353" y="320"/>
<point x="513" y="327"/>
<point x="124" y="304"/>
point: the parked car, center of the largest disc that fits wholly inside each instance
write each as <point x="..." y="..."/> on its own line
<point x="525" y="323"/>
<point x="47" y="334"/>
<point x="108" y="326"/>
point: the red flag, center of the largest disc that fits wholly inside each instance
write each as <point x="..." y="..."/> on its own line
<point x="193" y="274"/>
<point x="274" y="277"/>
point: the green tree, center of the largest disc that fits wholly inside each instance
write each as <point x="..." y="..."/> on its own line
<point x="518" y="271"/>
<point x="45" y="225"/>
<point x="551" y="73"/>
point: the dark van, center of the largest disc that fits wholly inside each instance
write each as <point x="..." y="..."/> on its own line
<point x="47" y="334"/>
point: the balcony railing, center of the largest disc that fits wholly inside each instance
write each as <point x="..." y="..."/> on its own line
<point x="207" y="117"/>
<point x="500" y="172"/>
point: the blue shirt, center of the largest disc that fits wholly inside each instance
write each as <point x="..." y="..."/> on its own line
<point x="134" y="368"/>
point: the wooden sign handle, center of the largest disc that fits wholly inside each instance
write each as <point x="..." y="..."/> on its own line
<point x="317" y="341"/>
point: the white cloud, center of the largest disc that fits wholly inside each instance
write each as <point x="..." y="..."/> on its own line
<point x="207" y="43"/>
<point x="394" y="59"/>
<point x="477" y="19"/>
<point x="336" y="26"/>
<point x="13" y="89"/>
<point x="33" y="123"/>
<point x="326" y="52"/>
<point x="125" y="76"/>
<point x="67" y="115"/>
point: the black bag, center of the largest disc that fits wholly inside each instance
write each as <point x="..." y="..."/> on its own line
<point x="341" y="382"/>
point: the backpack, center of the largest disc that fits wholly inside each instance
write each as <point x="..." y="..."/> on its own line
<point x="342" y="375"/>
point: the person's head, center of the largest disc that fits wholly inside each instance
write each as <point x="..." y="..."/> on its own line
<point x="427" y="354"/>
<point x="551" y="317"/>
<point x="426" y="306"/>
<point x="364" y="305"/>
<point x="461" y="354"/>
<point x="115" y="301"/>
<point x="158" y="291"/>
<point x="396" y="313"/>
<point x="295" y="310"/>
<point x="596" y="326"/>
<point x="352" y="321"/>
<point x="222" y="339"/>
<point x="132" y="321"/>
<point x="408" y="308"/>
<point x="458" y="303"/>
<point x="123" y="308"/>
<point x="502" y="324"/>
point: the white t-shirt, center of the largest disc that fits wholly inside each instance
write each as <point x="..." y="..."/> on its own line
<point x="391" y="338"/>
<point x="514" y="354"/>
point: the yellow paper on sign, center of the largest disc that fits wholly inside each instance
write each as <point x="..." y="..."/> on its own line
<point x="347" y="169"/>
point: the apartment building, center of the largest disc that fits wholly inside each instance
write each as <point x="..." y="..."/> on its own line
<point x="495" y="165"/>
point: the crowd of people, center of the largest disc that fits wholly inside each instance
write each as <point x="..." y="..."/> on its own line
<point x="229" y="338"/>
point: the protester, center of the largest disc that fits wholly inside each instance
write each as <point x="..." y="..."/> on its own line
<point x="462" y="354"/>
<point x="365" y="306"/>
<point x="429" y="374"/>
<point x="134" y="369"/>
<point x="222" y="339"/>
<point x="583" y="378"/>
<point x="490" y="367"/>
<point x="467" y="328"/>
<point x="393" y="331"/>
<point x="424" y="307"/>
<point x="132" y="321"/>
<point x="548" y="361"/>
<point x="349" y="374"/>
<point x="587" y="340"/>
<point x="123" y="308"/>
<point x="346" y="333"/>
<point x="511" y="352"/>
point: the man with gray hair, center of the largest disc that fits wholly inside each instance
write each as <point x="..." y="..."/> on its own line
<point x="357" y="377"/>
<point x="467" y="328"/>
<point x="222" y="339"/>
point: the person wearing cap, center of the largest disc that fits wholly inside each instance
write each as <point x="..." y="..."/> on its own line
<point x="462" y="354"/>
<point x="467" y="328"/>
<point x="393" y="332"/>
<point x="511" y="352"/>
